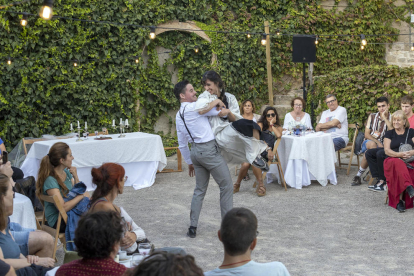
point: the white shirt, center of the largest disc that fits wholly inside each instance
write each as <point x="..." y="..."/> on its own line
<point x="340" y="114"/>
<point x="197" y="124"/>
<point x="289" y="122"/>
<point x="252" y="268"/>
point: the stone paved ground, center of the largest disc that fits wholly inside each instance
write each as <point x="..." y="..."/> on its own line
<point x="332" y="230"/>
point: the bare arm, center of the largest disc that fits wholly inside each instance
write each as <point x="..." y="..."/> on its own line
<point x="389" y="151"/>
<point x="15" y="263"/>
<point x="327" y="125"/>
<point x="277" y="130"/>
<point x="387" y="122"/>
<point x="227" y="112"/>
<point x="213" y="104"/>
<point x="370" y="137"/>
<point x="68" y="205"/>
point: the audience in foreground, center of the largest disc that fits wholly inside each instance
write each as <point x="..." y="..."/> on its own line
<point x="377" y="124"/>
<point x="6" y="269"/>
<point x="407" y="105"/>
<point x="9" y="249"/>
<point x="399" y="177"/>
<point x="238" y="233"/>
<point x="334" y="121"/>
<point x="167" y="264"/>
<point x="97" y="240"/>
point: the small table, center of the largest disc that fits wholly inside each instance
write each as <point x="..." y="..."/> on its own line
<point x="306" y="158"/>
<point x="141" y="155"/>
<point x="23" y="212"/>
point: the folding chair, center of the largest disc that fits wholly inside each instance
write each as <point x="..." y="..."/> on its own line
<point x="62" y="215"/>
<point x="350" y="147"/>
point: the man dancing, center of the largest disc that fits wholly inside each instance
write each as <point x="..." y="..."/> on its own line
<point x="205" y="157"/>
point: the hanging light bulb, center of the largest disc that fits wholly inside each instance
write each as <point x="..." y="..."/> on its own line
<point x="363" y="40"/>
<point x="23" y="22"/>
<point x="316" y="40"/>
<point x="412" y="47"/>
<point x="249" y="35"/>
<point x="9" y="61"/>
<point x="264" y="36"/>
<point x="152" y="32"/>
<point x="136" y="59"/>
<point x="75" y="63"/>
<point x="196" y="49"/>
<point x="362" y="47"/>
<point x="278" y="32"/>
<point x="46" y="12"/>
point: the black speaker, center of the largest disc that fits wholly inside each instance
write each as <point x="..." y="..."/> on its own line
<point x="304" y="49"/>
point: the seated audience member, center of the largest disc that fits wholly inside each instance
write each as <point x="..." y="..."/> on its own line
<point x="109" y="180"/>
<point x="377" y="124"/>
<point x="407" y="105"/>
<point x="399" y="177"/>
<point x="6" y="270"/>
<point x="297" y="115"/>
<point x="238" y="233"/>
<point x="334" y="121"/>
<point x="56" y="177"/>
<point x="9" y="249"/>
<point x="17" y="173"/>
<point x="97" y="240"/>
<point x="167" y="264"/>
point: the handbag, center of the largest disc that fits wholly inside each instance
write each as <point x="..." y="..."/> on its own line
<point x="407" y="147"/>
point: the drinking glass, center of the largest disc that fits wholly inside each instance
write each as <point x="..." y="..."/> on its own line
<point x="84" y="135"/>
<point x="144" y="248"/>
<point x="137" y="258"/>
<point x="96" y="133"/>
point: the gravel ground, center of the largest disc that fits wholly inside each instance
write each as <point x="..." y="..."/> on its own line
<point x="332" y="230"/>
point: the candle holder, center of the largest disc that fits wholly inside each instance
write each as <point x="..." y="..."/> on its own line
<point x="122" y="127"/>
<point x="79" y="137"/>
<point x="86" y="133"/>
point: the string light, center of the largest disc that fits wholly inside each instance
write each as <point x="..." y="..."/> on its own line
<point x="362" y="47"/>
<point x="9" y="61"/>
<point x="46" y="12"/>
<point x="363" y="40"/>
<point x="23" y="22"/>
<point x="412" y="47"/>
<point x="152" y="32"/>
<point x="75" y="63"/>
<point x="264" y="36"/>
<point x="136" y="59"/>
<point x="278" y="32"/>
<point x="316" y="40"/>
<point x="196" y="49"/>
<point x="249" y="35"/>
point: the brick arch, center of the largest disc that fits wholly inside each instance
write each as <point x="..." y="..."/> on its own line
<point x="188" y="27"/>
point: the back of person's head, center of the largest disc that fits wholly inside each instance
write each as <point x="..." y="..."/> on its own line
<point x="407" y="100"/>
<point x="106" y="177"/>
<point x="48" y="164"/>
<point x="4" y="187"/>
<point x="242" y="106"/>
<point x="98" y="233"/>
<point x="382" y="99"/>
<point x="399" y="114"/>
<point x="180" y="88"/>
<point x="238" y="230"/>
<point x="167" y="264"/>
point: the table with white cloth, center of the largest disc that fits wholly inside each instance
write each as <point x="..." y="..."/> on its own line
<point x="306" y="158"/>
<point x="141" y="155"/>
<point x="23" y="212"/>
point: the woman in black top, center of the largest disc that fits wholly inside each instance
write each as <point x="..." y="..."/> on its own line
<point x="399" y="177"/>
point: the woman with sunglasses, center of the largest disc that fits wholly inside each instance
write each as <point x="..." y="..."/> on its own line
<point x="297" y="115"/>
<point x="271" y="131"/>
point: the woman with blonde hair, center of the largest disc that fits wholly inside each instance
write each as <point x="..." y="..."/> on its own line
<point x="398" y="171"/>
<point x="56" y="177"/>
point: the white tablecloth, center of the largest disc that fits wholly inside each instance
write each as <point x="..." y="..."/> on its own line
<point x="141" y="154"/>
<point x="23" y="212"/>
<point x="306" y="158"/>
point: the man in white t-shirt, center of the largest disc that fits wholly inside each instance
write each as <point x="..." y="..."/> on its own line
<point x="238" y="233"/>
<point x="334" y="121"/>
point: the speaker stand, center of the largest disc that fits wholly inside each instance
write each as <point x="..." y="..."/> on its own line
<point x="304" y="82"/>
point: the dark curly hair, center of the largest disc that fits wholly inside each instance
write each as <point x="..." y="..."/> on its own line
<point x="167" y="264"/>
<point x="263" y="118"/>
<point x="97" y="233"/>
<point x="215" y="77"/>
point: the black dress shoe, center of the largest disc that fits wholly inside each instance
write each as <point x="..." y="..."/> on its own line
<point x="192" y="232"/>
<point x="410" y="191"/>
<point x="400" y="206"/>
<point x="260" y="163"/>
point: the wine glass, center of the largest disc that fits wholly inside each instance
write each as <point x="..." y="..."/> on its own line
<point x="137" y="258"/>
<point x="144" y="248"/>
<point x="84" y="135"/>
<point x="96" y="133"/>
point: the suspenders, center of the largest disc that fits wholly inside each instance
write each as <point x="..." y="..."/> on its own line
<point x="182" y="118"/>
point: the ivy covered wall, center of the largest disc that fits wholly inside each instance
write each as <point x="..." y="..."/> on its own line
<point x="42" y="92"/>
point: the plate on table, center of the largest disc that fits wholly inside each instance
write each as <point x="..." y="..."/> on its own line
<point x="124" y="260"/>
<point x="103" y="138"/>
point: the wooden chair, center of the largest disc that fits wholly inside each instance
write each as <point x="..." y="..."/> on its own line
<point x="350" y="147"/>
<point x="179" y="158"/>
<point x="27" y="142"/>
<point x="276" y="161"/>
<point x="62" y="215"/>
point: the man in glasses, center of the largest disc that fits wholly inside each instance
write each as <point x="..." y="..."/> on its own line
<point x="334" y="121"/>
<point x="238" y="233"/>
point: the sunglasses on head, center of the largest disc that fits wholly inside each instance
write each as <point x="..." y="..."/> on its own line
<point x="270" y="115"/>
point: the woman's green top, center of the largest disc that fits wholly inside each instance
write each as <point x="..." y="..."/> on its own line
<point x="51" y="212"/>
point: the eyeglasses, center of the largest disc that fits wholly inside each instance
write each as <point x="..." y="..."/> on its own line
<point x="298" y="105"/>
<point x="330" y="101"/>
<point x="270" y="115"/>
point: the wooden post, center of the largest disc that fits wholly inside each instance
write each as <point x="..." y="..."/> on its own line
<point x="269" y="64"/>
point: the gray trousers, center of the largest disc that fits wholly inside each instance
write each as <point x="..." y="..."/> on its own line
<point x="207" y="159"/>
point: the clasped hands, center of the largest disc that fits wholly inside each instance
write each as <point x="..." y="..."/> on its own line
<point x="406" y="154"/>
<point x="223" y="110"/>
<point x="45" y="262"/>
